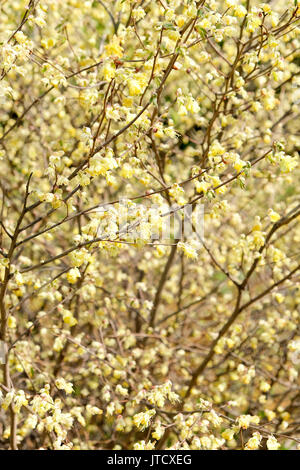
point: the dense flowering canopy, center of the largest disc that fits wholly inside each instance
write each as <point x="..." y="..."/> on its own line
<point x="115" y="341"/>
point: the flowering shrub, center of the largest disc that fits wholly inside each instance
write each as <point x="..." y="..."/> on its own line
<point x="118" y="342"/>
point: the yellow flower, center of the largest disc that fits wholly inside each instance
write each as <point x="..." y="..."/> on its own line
<point x="11" y="322"/>
<point x="279" y="297"/>
<point x="134" y="87"/>
<point x="264" y="386"/>
<point x="240" y="11"/>
<point x="20" y="37"/>
<point x="159" y="431"/>
<point x="253" y="442"/>
<point x="274" y="216"/>
<point x="47" y="43"/>
<point x="108" y="71"/>
<point x="188" y="250"/>
<point x="180" y="20"/>
<point x="288" y="163"/>
<point x="244" y="421"/>
<point x="257" y="224"/>
<point x="63" y="385"/>
<point x="73" y="275"/>
<point x="266" y="8"/>
<point x="270" y="414"/>
<point x="69" y="319"/>
<point x="114" y="48"/>
<point x="238" y="165"/>
<point x="228" y="434"/>
<point x="7" y="400"/>
<point x="19" y="401"/>
<point x="272" y="443"/>
<point x="142" y="420"/>
<point x="138" y="13"/>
